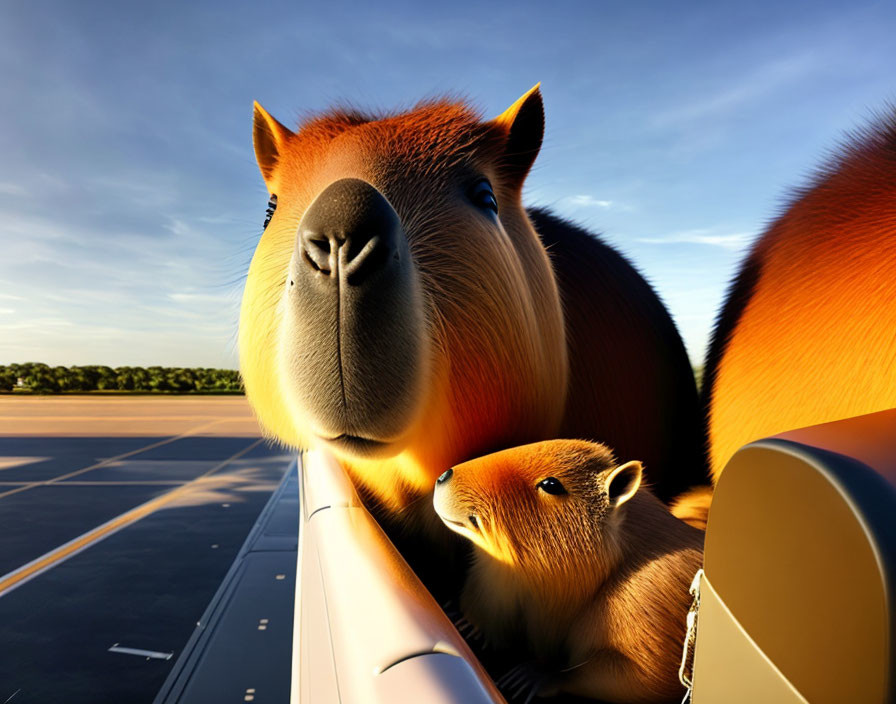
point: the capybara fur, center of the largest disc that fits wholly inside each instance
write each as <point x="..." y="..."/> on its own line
<point x="808" y="332"/>
<point x="404" y="311"/>
<point x="577" y="564"/>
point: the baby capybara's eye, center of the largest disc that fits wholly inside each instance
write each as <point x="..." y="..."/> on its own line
<point x="269" y="213"/>
<point x="552" y="485"/>
<point x="483" y="196"/>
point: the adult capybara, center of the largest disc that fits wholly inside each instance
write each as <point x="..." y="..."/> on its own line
<point x="808" y="332"/>
<point x="405" y="311"/>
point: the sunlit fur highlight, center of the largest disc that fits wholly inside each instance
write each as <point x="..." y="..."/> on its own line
<point x="692" y="507"/>
<point x="808" y="333"/>
<point x="596" y="592"/>
<point x="497" y="345"/>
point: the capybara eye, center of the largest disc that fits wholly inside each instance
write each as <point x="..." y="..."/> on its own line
<point x="483" y="196"/>
<point x="474" y="522"/>
<point x="552" y="485"/>
<point x="269" y="213"/>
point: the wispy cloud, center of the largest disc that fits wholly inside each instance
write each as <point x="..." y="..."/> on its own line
<point x="114" y="295"/>
<point x="586" y="201"/>
<point x="8" y="188"/>
<point x="201" y="297"/>
<point x="760" y="83"/>
<point x="733" y="240"/>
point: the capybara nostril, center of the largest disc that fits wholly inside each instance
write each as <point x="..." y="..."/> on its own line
<point x="316" y="251"/>
<point x="444" y="476"/>
<point x="350" y="231"/>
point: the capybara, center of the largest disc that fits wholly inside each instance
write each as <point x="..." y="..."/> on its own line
<point x="808" y="332"/>
<point x="404" y="310"/>
<point x="578" y="563"/>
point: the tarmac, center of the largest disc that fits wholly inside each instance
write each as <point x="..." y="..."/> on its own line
<point x="119" y="518"/>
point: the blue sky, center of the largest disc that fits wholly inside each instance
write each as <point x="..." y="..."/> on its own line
<point x="130" y="202"/>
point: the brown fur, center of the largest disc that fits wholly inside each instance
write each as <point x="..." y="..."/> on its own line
<point x="598" y="589"/>
<point x="807" y="333"/>
<point x="529" y="334"/>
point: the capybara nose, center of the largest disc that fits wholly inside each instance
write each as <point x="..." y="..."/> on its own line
<point x="444" y="476"/>
<point x="349" y="231"/>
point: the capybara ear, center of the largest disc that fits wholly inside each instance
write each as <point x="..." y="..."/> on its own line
<point x="524" y="124"/>
<point x="268" y="136"/>
<point x="623" y="482"/>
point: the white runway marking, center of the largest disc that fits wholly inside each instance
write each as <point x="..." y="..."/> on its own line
<point x="148" y="654"/>
<point x="110" y="460"/>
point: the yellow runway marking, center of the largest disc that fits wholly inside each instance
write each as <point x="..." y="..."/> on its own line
<point x="12" y="462"/>
<point x="17" y="577"/>
<point x="105" y="462"/>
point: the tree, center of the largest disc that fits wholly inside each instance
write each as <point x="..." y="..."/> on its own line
<point x="41" y="378"/>
<point x="8" y="378"/>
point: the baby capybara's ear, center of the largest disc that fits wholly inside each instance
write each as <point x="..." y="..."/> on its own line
<point x="623" y="482"/>
<point x="268" y="136"/>
<point x="523" y="122"/>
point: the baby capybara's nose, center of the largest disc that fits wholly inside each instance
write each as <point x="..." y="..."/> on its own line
<point x="349" y="231"/>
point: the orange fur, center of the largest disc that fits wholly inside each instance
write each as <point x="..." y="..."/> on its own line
<point x="516" y="344"/>
<point x="807" y="334"/>
<point x="595" y="589"/>
<point x="477" y="333"/>
<point x="692" y="507"/>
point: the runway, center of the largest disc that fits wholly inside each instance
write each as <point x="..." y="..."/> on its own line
<point x="119" y="517"/>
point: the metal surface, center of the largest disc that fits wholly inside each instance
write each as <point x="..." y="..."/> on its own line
<point x="800" y="569"/>
<point x="729" y="667"/>
<point x="366" y="628"/>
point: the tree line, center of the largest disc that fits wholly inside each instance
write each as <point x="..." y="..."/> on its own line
<point x="42" y="378"/>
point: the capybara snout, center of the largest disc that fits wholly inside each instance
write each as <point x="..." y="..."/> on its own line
<point x="353" y="330"/>
<point x="350" y="233"/>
